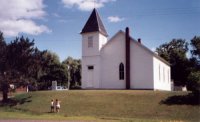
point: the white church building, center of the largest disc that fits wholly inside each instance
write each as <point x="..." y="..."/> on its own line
<point x="120" y="62"/>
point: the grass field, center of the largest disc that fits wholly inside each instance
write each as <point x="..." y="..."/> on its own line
<point x="101" y="105"/>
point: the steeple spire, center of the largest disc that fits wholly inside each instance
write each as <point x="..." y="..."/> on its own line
<point x="94" y="24"/>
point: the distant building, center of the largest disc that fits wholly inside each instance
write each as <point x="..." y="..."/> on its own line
<point x="120" y="63"/>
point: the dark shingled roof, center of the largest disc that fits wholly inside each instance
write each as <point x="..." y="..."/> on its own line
<point x="94" y="24"/>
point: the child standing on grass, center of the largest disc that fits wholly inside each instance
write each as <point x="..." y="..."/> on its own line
<point x="52" y="105"/>
<point x="57" y="105"/>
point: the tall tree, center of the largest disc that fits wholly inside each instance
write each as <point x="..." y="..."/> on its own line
<point x="74" y="71"/>
<point x="3" y="81"/>
<point x="18" y="58"/>
<point x="2" y="53"/>
<point x="194" y="76"/>
<point x="175" y="53"/>
<point x="195" y="43"/>
<point x="3" y="47"/>
<point x="52" y="70"/>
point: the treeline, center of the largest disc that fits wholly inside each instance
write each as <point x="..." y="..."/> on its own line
<point x="185" y="70"/>
<point x="23" y="64"/>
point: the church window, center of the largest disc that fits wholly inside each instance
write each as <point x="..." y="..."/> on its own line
<point x="90" y="67"/>
<point x="121" y="71"/>
<point x="90" y="41"/>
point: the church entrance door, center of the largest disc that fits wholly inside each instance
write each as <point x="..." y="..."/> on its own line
<point x="91" y="78"/>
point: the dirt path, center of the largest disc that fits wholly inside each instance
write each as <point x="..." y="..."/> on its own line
<point x="38" y="121"/>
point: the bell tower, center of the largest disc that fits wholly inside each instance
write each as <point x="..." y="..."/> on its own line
<point x="94" y="36"/>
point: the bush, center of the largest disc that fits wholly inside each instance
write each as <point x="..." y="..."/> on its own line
<point x="194" y="82"/>
<point x="75" y="87"/>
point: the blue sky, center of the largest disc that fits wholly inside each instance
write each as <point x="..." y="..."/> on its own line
<point x="55" y="24"/>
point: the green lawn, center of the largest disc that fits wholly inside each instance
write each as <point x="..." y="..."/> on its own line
<point x="101" y="105"/>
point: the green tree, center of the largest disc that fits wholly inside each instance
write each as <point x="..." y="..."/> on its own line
<point x="36" y="69"/>
<point x="175" y="53"/>
<point x="194" y="76"/>
<point x="17" y="60"/>
<point x="3" y="47"/>
<point x="74" y="71"/>
<point x="194" y="82"/>
<point x="195" y="43"/>
<point x="3" y="81"/>
<point x="52" y="70"/>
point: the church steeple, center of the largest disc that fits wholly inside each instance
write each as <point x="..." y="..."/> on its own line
<point x="94" y="24"/>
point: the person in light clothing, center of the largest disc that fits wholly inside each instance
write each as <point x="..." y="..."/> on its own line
<point x="57" y="105"/>
<point x="52" y="105"/>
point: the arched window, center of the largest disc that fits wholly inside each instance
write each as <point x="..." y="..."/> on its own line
<point x="121" y="71"/>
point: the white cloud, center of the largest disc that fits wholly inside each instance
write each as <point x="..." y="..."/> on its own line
<point x="115" y="19"/>
<point x="85" y="5"/>
<point x="13" y="28"/>
<point x="17" y="16"/>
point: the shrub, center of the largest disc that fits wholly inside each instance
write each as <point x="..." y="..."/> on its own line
<point x="194" y="82"/>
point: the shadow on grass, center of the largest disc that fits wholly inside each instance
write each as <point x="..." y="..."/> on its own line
<point x="15" y="101"/>
<point x="189" y="99"/>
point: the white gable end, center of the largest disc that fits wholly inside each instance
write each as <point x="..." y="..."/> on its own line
<point x="112" y="54"/>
